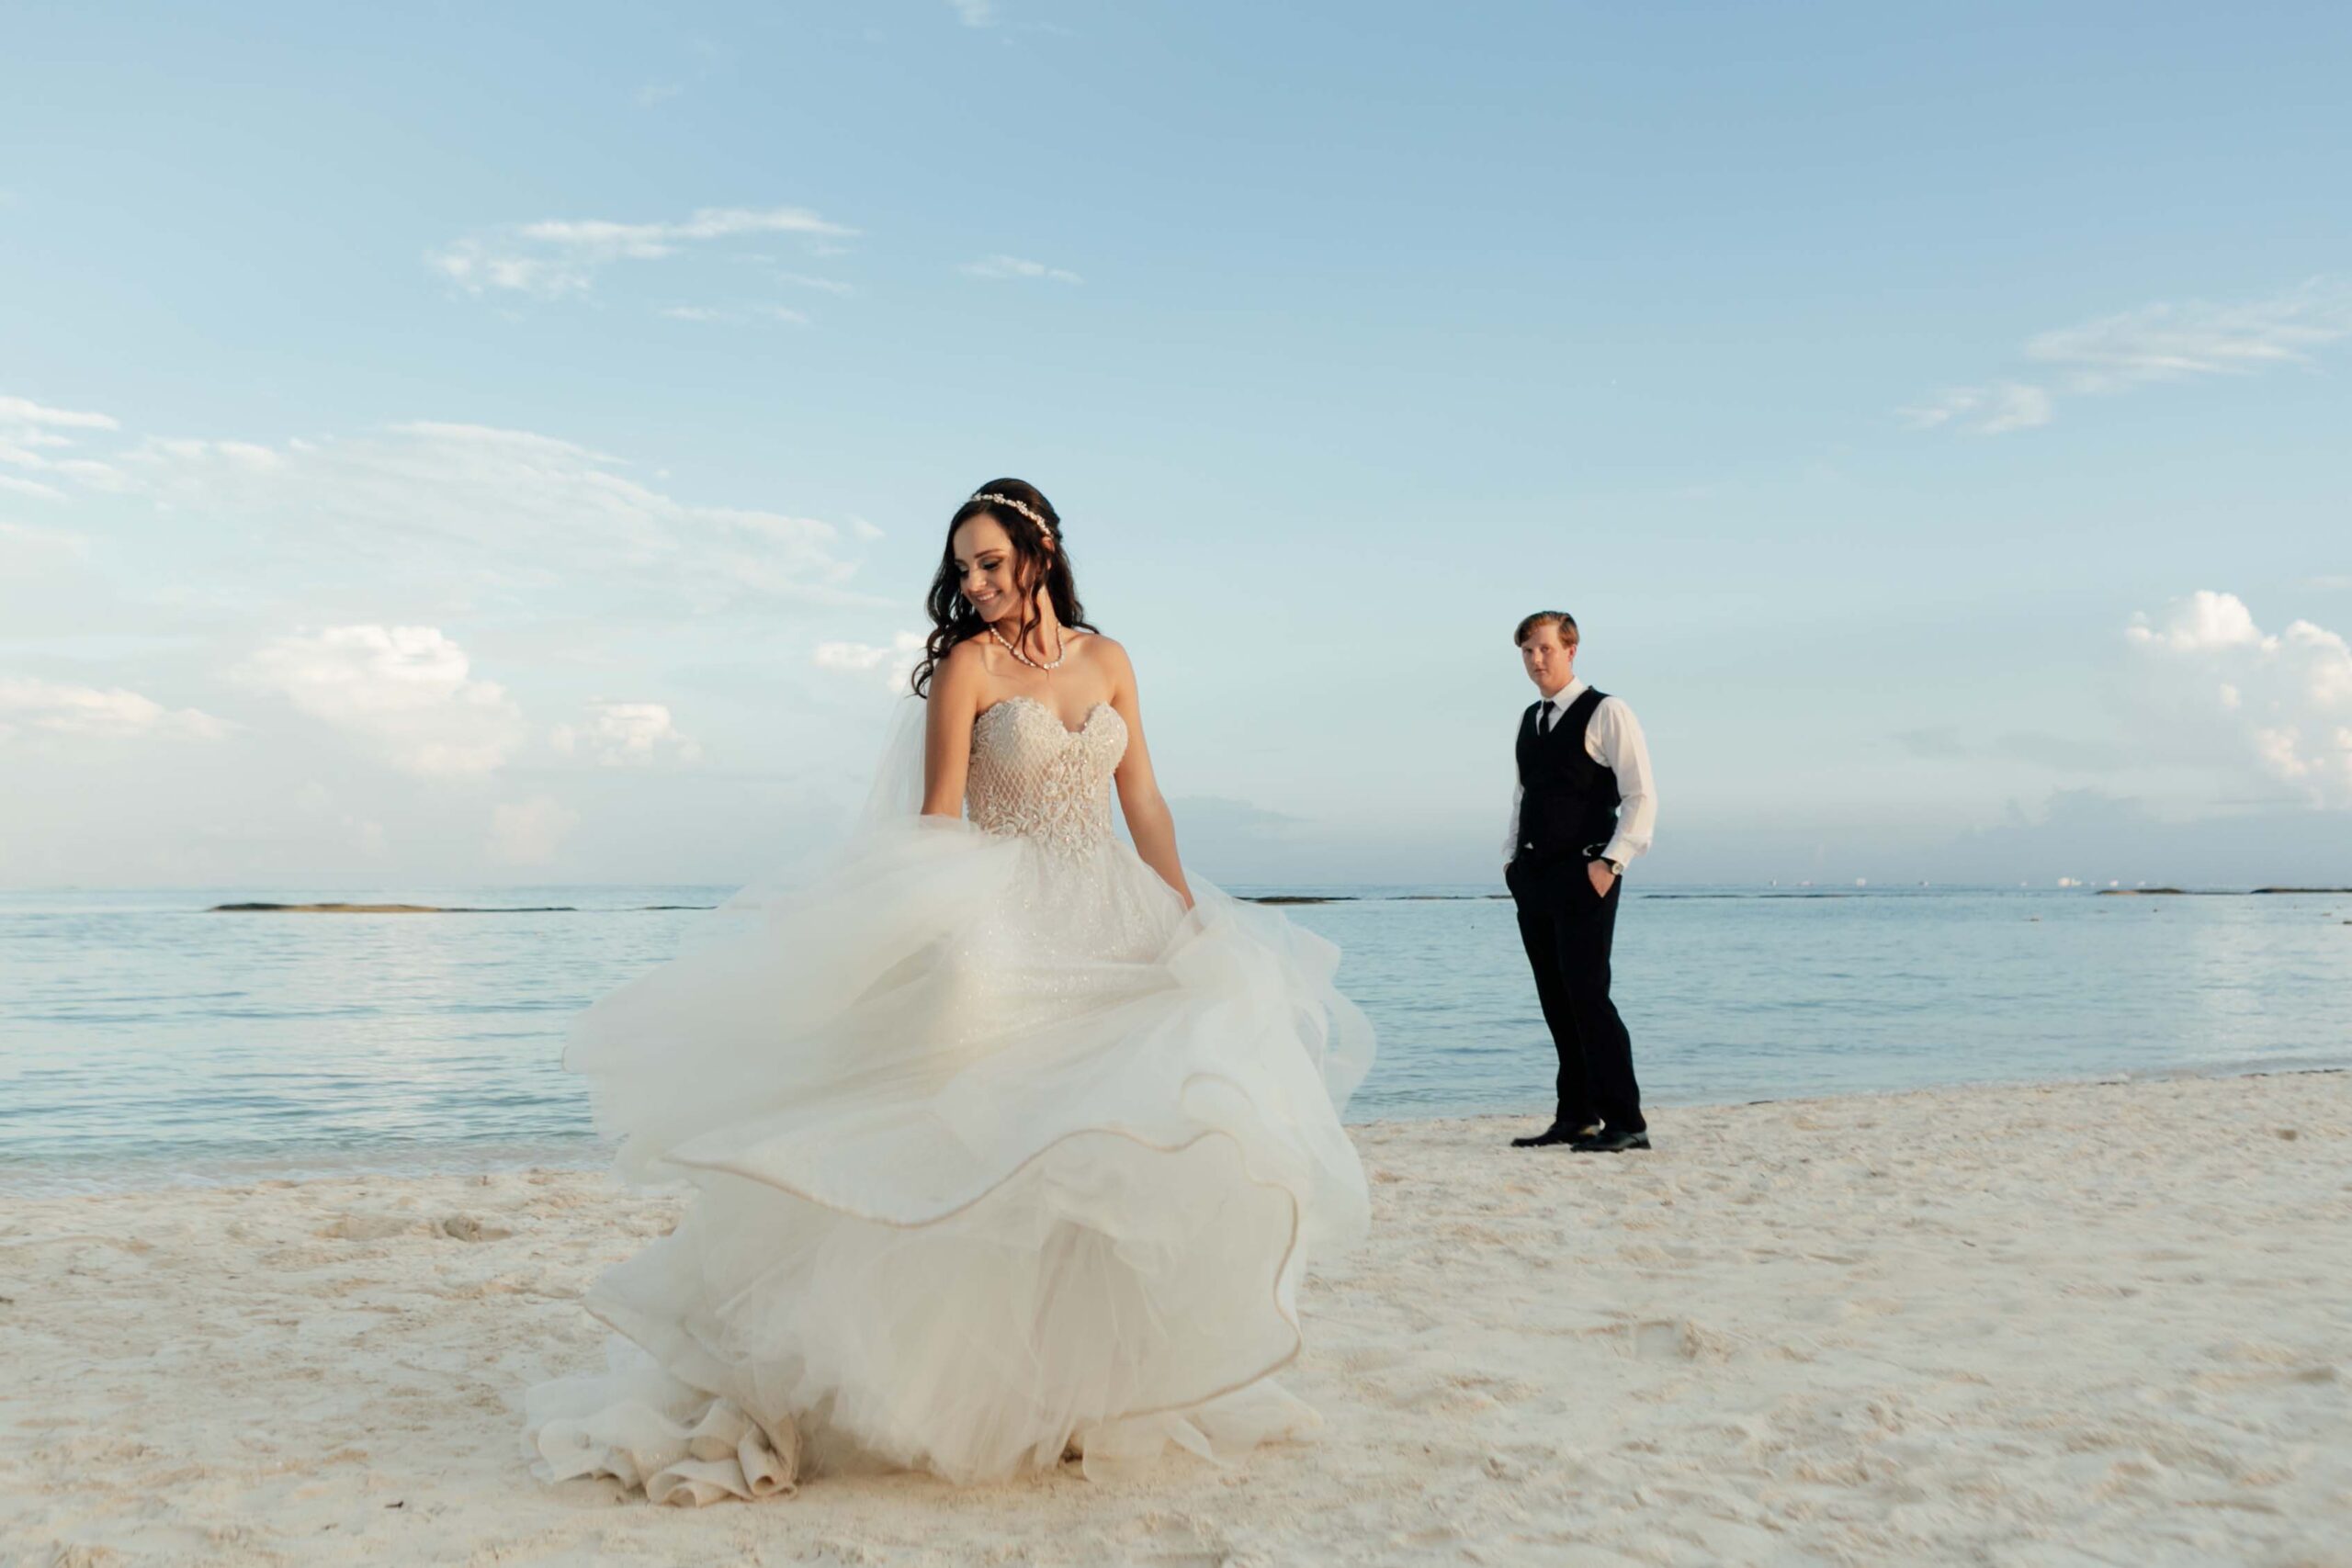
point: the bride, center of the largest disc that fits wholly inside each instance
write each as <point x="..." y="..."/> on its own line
<point x="1008" y="1143"/>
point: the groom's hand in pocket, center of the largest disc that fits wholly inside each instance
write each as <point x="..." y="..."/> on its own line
<point x="1604" y="879"/>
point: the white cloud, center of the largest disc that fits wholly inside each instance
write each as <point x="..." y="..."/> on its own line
<point x="472" y="518"/>
<point x="2171" y="343"/>
<point x="605" y="237"/>
<point x="822" y="284"/>
<point x="25" y="411"/>
<point x="1000" y="267"/>
<point x="530" y="831"/>
<point x="246" y="455"/>
<point x="2287" y="698"/>
<point x="28" y="551"/>
<point x="617" y="735"/>
<point x="781" y="314"/>
<point x="975" y="13"/>
<point x="2203" y="621"/>
<point x="2155" y="343"/>
<point x="1984" y="410"/>
<point x="28" y="707"/>
<point x="894" y="662"/>
<point x="31" y="440"/>
<point x="479" y="266"/>
<point x="556" y="258"/>
<point x="408" y="692"/>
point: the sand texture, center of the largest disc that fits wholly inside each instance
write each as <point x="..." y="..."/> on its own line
<point x="2075" y="1324"/>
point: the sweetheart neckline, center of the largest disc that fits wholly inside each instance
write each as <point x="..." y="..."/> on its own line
<point x="1084" y="725"/>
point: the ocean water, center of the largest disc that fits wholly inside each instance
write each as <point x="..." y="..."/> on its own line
<point x="145" y="1040"/>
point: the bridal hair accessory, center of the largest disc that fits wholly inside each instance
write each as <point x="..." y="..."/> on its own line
<point x="995" y="499"/>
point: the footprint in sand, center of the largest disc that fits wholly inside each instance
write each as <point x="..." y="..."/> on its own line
<point x="472" y="1227"/>
<point x="368" y="1227"/>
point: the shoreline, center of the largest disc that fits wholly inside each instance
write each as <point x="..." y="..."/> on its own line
<point x="468" y="1160"/>
<point x="578" y="898"/>
<point x="2097" y="1319"/>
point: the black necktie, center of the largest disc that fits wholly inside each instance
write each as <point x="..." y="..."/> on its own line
<point x="1551" y="712"/>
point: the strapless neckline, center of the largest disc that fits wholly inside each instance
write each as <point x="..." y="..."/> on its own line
<point x="1034" y="777"/>
<point x="1084" y="725"/>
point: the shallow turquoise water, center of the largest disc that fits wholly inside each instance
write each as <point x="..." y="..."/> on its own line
<point x="144" y="1040"/>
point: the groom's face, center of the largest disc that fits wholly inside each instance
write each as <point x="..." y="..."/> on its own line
<point x="1550" y="662"/>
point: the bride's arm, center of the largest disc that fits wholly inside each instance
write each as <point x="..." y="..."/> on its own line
<point x="1139" y="798"/>
<point x="948" y="714"/>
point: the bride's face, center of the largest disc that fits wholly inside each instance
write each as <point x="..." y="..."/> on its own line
<point x="988" y="571"/>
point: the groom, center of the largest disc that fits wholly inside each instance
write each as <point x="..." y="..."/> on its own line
<point x="1583" y="808"/>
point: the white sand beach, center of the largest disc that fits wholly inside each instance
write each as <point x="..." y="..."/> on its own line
<point x="2072" y="1325"/>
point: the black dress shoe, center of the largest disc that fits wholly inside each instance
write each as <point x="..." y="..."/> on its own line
<point x="1610" y="1142"/>
<point x="1558" y="1132"/>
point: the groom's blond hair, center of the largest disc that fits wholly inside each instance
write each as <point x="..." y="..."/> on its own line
<point x="1560" y="618"/>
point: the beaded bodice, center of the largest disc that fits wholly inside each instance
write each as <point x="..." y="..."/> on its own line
<point x="1034" y="777"/>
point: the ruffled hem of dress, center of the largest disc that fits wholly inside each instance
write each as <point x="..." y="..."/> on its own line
<point x="651" y="1422"/>
<point x="1288" y="1315"/>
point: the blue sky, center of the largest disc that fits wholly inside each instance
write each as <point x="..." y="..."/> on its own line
<point x="456" y="445"/>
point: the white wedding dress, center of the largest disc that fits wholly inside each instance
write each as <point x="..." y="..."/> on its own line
<point x="997" y="1152"/>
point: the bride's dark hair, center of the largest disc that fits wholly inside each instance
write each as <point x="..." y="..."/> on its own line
<point x="953" y="620"/>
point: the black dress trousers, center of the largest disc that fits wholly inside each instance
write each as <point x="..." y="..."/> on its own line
<point x="1567" y="929"/>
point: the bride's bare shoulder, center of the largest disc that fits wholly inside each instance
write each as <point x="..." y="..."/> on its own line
<point x="1109" y="655"/>
<point x="961" y="671"/>
<point x="1107" y="649"/>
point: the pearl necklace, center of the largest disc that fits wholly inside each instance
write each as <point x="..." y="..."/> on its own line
<point x="1025" y="659"/>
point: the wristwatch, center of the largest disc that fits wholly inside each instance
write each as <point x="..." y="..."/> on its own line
<point x="1616" y="867"/>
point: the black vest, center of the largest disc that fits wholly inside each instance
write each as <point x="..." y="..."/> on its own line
<point x="1569" y="801"/>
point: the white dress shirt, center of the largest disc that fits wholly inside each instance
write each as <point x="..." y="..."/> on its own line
<point x="1614" y="740"/>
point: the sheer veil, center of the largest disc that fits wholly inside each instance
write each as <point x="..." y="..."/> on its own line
<point x="893" y="800"/>
<point x="896" y="791"/>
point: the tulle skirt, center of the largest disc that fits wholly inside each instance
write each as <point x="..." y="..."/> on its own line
<point x="999" y="1153"/>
